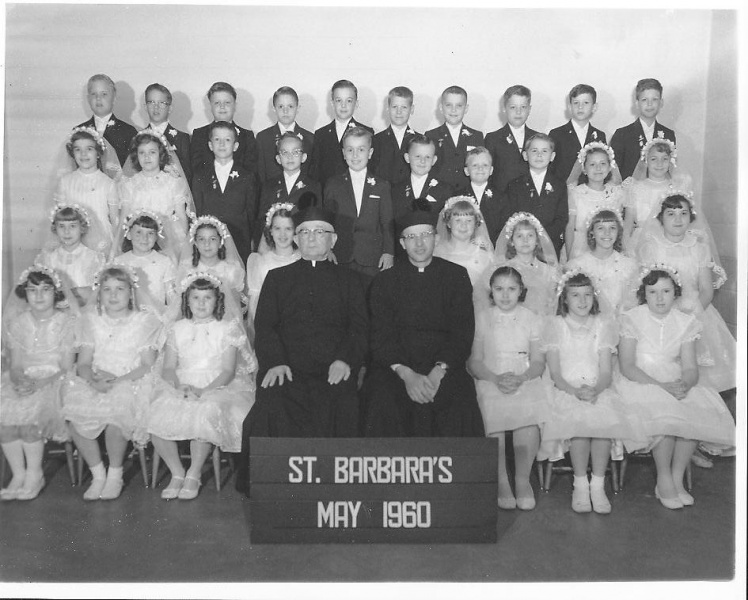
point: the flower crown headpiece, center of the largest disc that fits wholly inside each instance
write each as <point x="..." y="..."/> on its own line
<point x="522" y="216"/>
<point x="687" y="194"/>
<point x="161" y="138"/>
<point x="600" y="208"/>
<point x="91" y="131"/>
<point x="194" y="276"/>
<point x="76" y="207"/>
<point x="659" y="140"/>
<point x="275" y="208"/>
<point x="37" y="268"/>
<point x="455" y="199"/>
<point x="647" y="269"/>
<point x="143" y="213"/>
<point x="573" y="273"/>
<point x="115" y="265"/>
<point x="220" y="227"/>
<point x="582" y="156"/>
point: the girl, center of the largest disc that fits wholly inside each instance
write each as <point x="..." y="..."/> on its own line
<point x="141" y="250"/>
<point x="202" y="397"/>
<point x="90" y="187"/>
<point x="656" y="174"/>
<point x="40" y="340"/>
<point x="660" y="382"/>
<point x="507" y="362"/>
<point x="117" y="348"/>
<point x="602" y="189"/>
<point x="74" y="262"/>
<point x="586" y="414"/>
<point x="615" y="275"/>
<point x="524" y="245"/>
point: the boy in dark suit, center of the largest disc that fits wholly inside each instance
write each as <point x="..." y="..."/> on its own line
<point x="506" y="144"/>
<point x="158" y="104"/>
<point x="578" y="132"/>
<point x="539" y="191"/>
<point x="363" y="209"/>
<point x="327" y="159"/>
<point x="628" y="141"/>
<point x="101" y="95"/>
<point x="390" y="145"/>
<point x="286" y="105"/>
<point x="478" y="168"/>
<point x="454" y="139"/>
<point x="222" y="97"/>
<point x="227" y="190"/>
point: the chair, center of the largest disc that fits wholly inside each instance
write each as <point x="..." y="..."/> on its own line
<point x="135" y="448"/>
<point x="625" y="462"/>
<point x="67" y="449"/>
<point x="551" y="467"/>
<point x="216" y="459"/>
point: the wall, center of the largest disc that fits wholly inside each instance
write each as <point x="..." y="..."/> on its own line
<point x="51" y="50"/>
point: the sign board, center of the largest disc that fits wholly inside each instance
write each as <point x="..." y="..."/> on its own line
<point x="391" y="490"/>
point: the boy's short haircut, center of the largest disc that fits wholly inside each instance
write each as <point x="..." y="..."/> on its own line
<point x="582" y="88"/>
<point x="358" y="132"/>
<point x="157" y="87"/>
<point x="400" y="92"/>
<point x="285" y="90"/>
<point x="517" y="90"/>
<point x="343" y="83"/>
<point x="647" y="84"/>
<point x="221" y="86"/>
<point x="455" y="89"/>
<point x="101" y="77"/>
<point x="544" y="137"/>
<point x="288" y="135"/>
<point x="421" y="140"/>
<point x="220" y="125"/>
<point x="476" y="151"/>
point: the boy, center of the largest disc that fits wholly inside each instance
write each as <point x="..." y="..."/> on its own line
<point x="539" y="191"/>
<point x="222" y="98"/>
<point x="226" y="189"/>
<point x="328" y="140"/>
<point x="101" y="95"/>
<point x="285" y="105"/>
<point x="158" y="104"/>
<point x="453" y="139"/>
<point x="479" y="168"/>
<point x="292" y="182"/>
<point x="505" y="144"/>
<point x="390" y="145"/>
<point x="363" y="209"/>
<point x="578" y="132"/>
<point x="628" y="141"/>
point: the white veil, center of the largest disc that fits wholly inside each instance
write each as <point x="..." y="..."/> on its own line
<point x="504" y="246"/>
<point x="480" y="237"/>
<point x="577" y="169"/>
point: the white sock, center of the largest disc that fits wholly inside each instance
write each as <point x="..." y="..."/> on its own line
<point x="597" y="482"/>
<point x="581" y="482"/>
<point x="13" y="452"/>
<point x="98" y="471"/>
<point x="114" y="473"/>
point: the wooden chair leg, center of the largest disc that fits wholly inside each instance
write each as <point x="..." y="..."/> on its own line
<point x="548" y="475"/>
<point x="539" y="466"/>
<point x="689" y="477"/>
<point x="2" y="471"/>
<point x="217" y="467"/>
<point x="614" y="475"/>
<point x="143" y="465"/>
<point x="70" y="461"/>
<point x="81" y="463"/>
<point x="622" y="471"/>
<point x="156" y="459"/>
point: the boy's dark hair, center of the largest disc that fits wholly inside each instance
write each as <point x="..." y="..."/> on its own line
<point x="605" y="216"/>
<point x="221" y="125"/>
<point x="38" y="278"/>
<point x="582" y="88"/>
<point x="196" y="252"/>
<point x="357" y="132"/>
<point x="540" y="136"/>
<point x="650" y="279"/>
<point x="400" y="92"/>
<point x="647" y="84"/>
<point x="676" y="201"/>
<point x="507" y="271"/>
<point x="455" y="89"/>
<point x="281" y="212"/>
<point x="478" y="150"/>
<point x="343" y="83"/>
<point x="84" y="135"/>
<point x="157" y="87"/>
<point x="143" y="138"/>
<point x="288" y="135"/>
<point x="68" y="214"/>
<point x="422" y="140"/>
<point x="221" y="86"/>
<point x="285" y="90"/>
<point x="578" y="280"/>
<point x="146" y="222"/>
<point x="203" y="284"/>
<point x="516" y="90"/>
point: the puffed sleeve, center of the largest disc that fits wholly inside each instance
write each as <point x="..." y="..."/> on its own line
<point x="628" y="328"/>
<point x="607" y="334"/>
<point x="550" y="337"/>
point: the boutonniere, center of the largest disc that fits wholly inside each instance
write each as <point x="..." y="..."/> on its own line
<point x="278" y="194"/>
<point x="351" y="124"/>
<point x="407" y="191"/>
<point x="233" y="174"/>
<point x="298" y="135"/>
<point x="409" y="131"/>
<point x="441" y="142"/>
<point x="660" y="134"/>
<point x="173" y="132"/>
<point x="215" y="182"/>
<point x="111" y="123"/>
<point x="371" y="181"/>
<point x="641" y="141"/>
<point x="433" y="182"/>
<point x="173" y="147"/>
<point x="237" y="130"/>
<point x="509" y="139"/>
<point x="594" y="135"/>
<point x="466" y="133"/>
<point x="488" y="193"/>
<point x="548" y="187"/>
<point x="300" y="185"/>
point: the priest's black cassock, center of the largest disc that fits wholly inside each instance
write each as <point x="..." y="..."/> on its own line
<point x="420" y="317"/>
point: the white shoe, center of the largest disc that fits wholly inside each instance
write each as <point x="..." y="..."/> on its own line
<point x="94" y="490"/>
<point x="580" y="500"/>
<point x="112" y="488"/>
<point x="600" y="502"/>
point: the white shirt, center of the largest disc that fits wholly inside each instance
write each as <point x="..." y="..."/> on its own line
<point x="291" y="129"/>
<point x="101" y="122"/>
<point x="454" y="132"/>
<point x="417" y="182"/>
<point x="519" y="136"/>
<point x="340" y="128"/>
<point x="648" y="129"/>
<point x="358" y="180"/>
<point x="158" y="129"/>
<point x="399" y="134"/>
<point x="478" y="190"/>
<point x="538" y="179"/>
<point x="290" y="180"/>
<point x="581" y="132"/>
<point x="222" y="173"/>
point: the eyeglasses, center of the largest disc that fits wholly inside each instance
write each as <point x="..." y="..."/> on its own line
<point x="296" y="152"/>
<point x="305" y="233"/>
<point x="411" y="237"/>
<point x="160" y="103"/>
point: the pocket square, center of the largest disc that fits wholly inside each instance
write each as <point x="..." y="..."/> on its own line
<point x="430" y="198"/>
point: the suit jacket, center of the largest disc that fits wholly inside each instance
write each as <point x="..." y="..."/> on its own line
<point x="508" y="162"/>
<point x="328" y="152"/>
<point x="627" y="143"/>
<point x="267" y="166"/>
<point x="365" y="236"/>
<point x="236" y="205"/>
<point x="567" y="147"/>
<point x="388" y="160"/>
<point x="274" y="190"/>
<point x="434" y="193"/>
<point x="180" y="143"/>
<point x="490" y="207"/>
<point x="450" y="164"/>
<point x="118" y="133"/>
<point x="201" y="158"/>
<point x="551" y="207"/>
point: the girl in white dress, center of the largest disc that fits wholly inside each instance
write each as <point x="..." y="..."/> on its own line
<point x="206" y="391"/>
<point x="661" y="383"/>
<point x="507" y="363"/>
<point x="39" y="338"/>
<point x="117" y="345"/>
<point x="602" y="189"/>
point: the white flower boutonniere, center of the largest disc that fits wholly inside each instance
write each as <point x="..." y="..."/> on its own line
<point x="409" y="131"/>
<point x="509" y="139"/>
<point x="371" y="181"/>
<point x="548" y="187"/>
<point x="407" y="191"/>
<point x="298" y="135"/>
<point x="433" y="182"/>
<point x="278" y="194"/>
<point x="300" y="185"/>
<point x="111" y="123"/>
<point x="215" y="183"/>
<point x="660" y="134"/>
<point x="173" y="147"/>
<point x="641" y="141"/>
<point x="173" y="132"/>
<point x="237" y="130"/>
<point x="594" y="135"/>
<point x="488" y="193"/>
<point x="234" y="174"/>
<point x="351" y="124"/>
<point x="466" y="133"/>
<point x="441" y="142"/>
